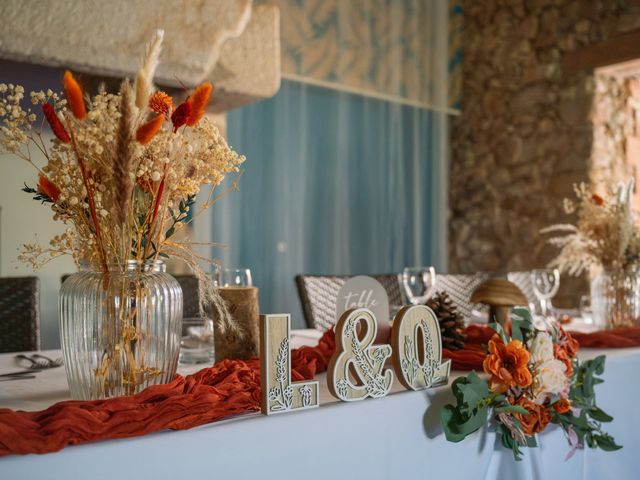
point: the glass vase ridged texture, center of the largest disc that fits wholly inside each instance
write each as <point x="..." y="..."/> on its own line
<point x="120" y="331"/>
<point x="615" y="298"/>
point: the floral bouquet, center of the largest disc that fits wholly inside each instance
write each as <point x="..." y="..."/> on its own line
<point x="534" y="379"/>
<point x="122" y="171"/>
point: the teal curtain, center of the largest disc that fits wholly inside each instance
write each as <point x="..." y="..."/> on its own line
<point x="334" y="183"/>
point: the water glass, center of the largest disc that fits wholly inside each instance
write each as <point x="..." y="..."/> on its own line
<point x="418" y="283"/>
<point x="545" y="286"/>
<point x="196" y="344"/>
<point x="240" y="277"/>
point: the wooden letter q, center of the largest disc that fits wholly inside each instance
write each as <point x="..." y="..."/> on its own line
<point x="416" y="333"/>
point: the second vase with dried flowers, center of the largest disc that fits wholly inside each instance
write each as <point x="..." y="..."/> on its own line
<point x="122" y="173"/>
<point x="605" y="241"/>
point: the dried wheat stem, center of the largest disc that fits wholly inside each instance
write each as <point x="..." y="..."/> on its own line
<point x="124" y="155"/>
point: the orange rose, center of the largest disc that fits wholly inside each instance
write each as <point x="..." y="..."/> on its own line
<point x="561" y="354"/>
<point x="536" y="420"/>
<point x="562" y="406"/>
<point x="507" y="365"/>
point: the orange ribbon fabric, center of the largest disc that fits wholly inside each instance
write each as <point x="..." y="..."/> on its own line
<point x="472" y="356"/>
<point x="228" y="388"/>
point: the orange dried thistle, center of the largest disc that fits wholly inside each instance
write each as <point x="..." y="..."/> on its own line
<point x="199" y="101"/>
<point x="148" y="130"/>
<point x="48" y="188"/>
<point x="161" y="103"/>
<point x="73" y="93"/>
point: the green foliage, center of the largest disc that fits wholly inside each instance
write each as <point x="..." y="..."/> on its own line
<point x="182" y="216"/>
<point x="521" y="324"/>
<point x="471" y="410"/>
<point x="475" y="403"/>
<point x="587" y="424"/>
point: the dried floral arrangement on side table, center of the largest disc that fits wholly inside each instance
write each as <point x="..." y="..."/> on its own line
<point x="605" y="242"/>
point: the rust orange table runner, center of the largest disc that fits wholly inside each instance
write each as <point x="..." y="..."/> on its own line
<point x="228" y="388"/>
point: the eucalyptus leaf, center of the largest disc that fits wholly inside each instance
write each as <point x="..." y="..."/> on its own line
<point x="512" y="409"/>
<point x="500" y="331"/>
<point x="600" y="416"/>
<point x="449" y="419"/>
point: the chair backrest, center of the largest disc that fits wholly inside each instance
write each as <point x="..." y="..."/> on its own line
<point x="459" y="287"/>
<point x="19" y="314"/>
<point x="319" y="296"/>
<point x="523" y="281"/>
<point x="190" y="295"/>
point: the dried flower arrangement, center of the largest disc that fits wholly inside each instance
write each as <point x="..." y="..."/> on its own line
<point x="605" y="236"/>
<point x="123" y="169"/>
<point x="535" y="379"/>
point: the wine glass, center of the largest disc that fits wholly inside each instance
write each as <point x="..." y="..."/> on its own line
<point x="418" y="283"/>
<point x="545" y="285"/>
<point x="236" y="277"/>
<point x="586" y="310"/>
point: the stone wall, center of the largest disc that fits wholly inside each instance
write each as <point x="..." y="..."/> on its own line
<point x="524" y="136"/>
<point x="616" y="129"/>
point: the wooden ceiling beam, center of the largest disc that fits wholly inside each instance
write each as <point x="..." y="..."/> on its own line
<point x="616" y="50"/>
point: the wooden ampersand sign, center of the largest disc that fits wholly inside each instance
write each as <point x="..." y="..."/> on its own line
<point x="358" y="357"/>
<point x="417" y="348"/>
<point x="279" y="394"/>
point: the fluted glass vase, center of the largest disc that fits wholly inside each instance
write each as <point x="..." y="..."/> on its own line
<point x="615" y="298"/>
<point x="120" y="332"/>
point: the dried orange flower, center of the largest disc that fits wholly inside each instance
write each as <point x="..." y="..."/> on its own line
<point x="507" y="365"/>
<point x="147" y="131"/>
<point x="54" y="122"/>
<point x="73" y="92"/>
<point x="597" y="199"/>
<point x="562" y="406"/>
<point x="161" y="103"/>
<point x="47" y="187"/>
<point x="199" y="101"/>
<point x="181" y="114"/>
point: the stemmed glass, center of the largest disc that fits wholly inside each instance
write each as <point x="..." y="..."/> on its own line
<point x="418" y="283"/>
<point x="545" y="286"/>
<point x="585" y="309"/>
<point x="238" y="277"/>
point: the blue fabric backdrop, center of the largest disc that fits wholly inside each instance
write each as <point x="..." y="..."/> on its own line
<point x="335" y="183"/>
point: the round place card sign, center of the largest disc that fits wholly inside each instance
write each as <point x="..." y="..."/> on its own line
<point x="366" y="292"/>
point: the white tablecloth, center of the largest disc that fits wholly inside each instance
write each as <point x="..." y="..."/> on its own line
<point x="397" y="437"/>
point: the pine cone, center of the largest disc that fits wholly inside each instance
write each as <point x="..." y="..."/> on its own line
<point x="451" y="322"/>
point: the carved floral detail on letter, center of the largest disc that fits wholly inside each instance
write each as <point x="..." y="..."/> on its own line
<point x="416" y="330"/>
<point x="358" y="358"/>
<point x="279" y="394"/>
